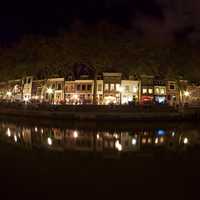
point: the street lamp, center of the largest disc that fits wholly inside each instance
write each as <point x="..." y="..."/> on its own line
<point x="50" y="92"/>
<point x="9" y="94"/>
<point x="186" y="93"/>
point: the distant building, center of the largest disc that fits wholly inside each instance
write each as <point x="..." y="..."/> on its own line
<point x="192" y="95"/>
<point x="79" y="91"/>
<point x="54" y="92"/>
<point x="147" y="89"/>
<point x="160" y="91"/>
<point x="14" y="90"/>
<point x="112" y="88"/>
<point x="172" y="93"/>
<point x="27" y="88"/>
<point x="37" y="92"/>
<point x="130" y="91"/>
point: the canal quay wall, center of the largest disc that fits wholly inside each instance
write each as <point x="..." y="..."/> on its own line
<point x="101" y="113"/>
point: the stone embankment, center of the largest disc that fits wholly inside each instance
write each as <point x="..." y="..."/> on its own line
<point x="100" y="113"/>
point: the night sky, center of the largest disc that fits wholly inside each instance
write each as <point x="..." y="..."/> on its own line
<point x="30" y="17"/>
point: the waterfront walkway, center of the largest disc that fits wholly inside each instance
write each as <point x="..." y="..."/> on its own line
<point x="100" y="112"/>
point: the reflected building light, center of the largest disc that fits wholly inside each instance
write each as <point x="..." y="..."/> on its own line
<point x="116" y="136"/>
<point x="145" y="133"/>
<point x="118" y="146"/>
<point x="143" y="140"/>
<point x="8" y="132"/>
<point x="36" y="129"/>
<point x="156" y="141"/>
<point x="161" y="139"/>
<point x="173" y="133"/>
<point x="185" y="141"/>
<point x="15" y="138"/>
<point x="75" y="134"/>
<point x="149" y="140"/>
<point x="134" y="141"/>
<point x="49" y="141"/>
<point x="161" y="132"/>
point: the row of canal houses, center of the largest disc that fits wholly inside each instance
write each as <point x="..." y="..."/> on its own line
<point x="108" y="88"/>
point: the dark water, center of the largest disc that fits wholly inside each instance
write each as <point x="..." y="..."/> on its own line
<point x="61" y="158"/>
<point x="110" y="143"/>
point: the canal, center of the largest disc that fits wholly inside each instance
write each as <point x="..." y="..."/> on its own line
<point x="45" y="157"/>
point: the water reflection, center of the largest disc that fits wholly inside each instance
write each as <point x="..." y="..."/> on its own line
<point x="108" y="142"/>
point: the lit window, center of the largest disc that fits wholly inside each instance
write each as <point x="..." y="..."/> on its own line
<point x="99" y="87"/>
<point x="157" y="91"/>
<point x="112" y="86"/>
<point x="162" y="91"/>
<point x="135" y="89"/>
<point x="150" y="91"/>
<point x="127" y="88"/>
<point x="106" y="86"/>
<point x="118" y="87"/>
<point x="144" y="91"/>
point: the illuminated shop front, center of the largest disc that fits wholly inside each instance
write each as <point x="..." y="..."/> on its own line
<point x="172" y="93"/>
<point x="160" y="94"/>
<point x="147" y="94"/>
<point x="79" y="92"/>
<point x="147" y="89"/>
<point x="54" y="92"/>
<point x="130" y="91"/>
<point x="112" y="90"/>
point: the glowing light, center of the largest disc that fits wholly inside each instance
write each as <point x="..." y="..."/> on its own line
<point x="15" y="138"/>
<point x="143" y="141"/>
<point x="116" y="136"/>
<point x="8" y="132"/>
<point x="156" y="141"/>
<point x="162" y="139"/>
<point x="135" y="89"/>
<point x="134" y="141"/>
<point x="9" y="93"/>
<point x="186" y="93"/>
<point x="98" y="136"/>
<point x="118" y="146"/>
<point x="149" y="140"/>
<point x="185" y="141"/>
<point x="36" y="129"/>
<point x="26" y="99"/>
<point x="120" y="89"/>
<point x="75" y="96"/>
<point x="161" y="132"/>
<point x="49" y="141"/>
<point x="75" y="134"/>
<point x="42" y="130"/>
<point x="50" y="91"/>
<point x="173" y="133"/>
<point x="150" y="91"/>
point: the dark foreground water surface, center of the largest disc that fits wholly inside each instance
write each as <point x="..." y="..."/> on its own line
<point x="87" y="159"/>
